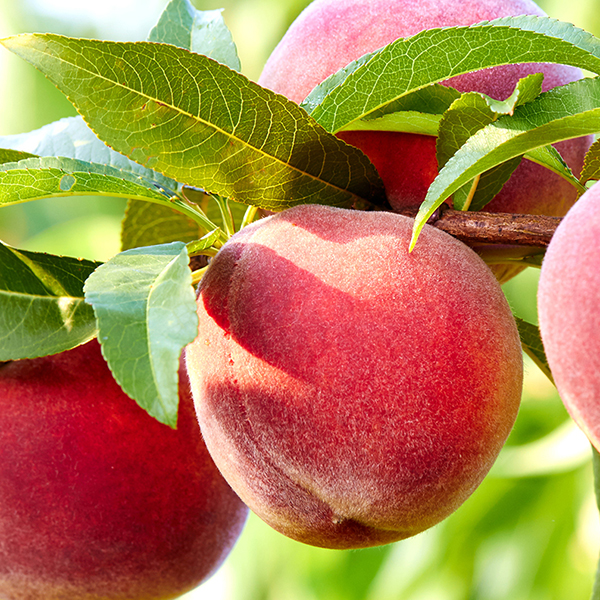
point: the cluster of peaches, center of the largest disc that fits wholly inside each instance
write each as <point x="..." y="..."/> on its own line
<point x="350" y="392"/>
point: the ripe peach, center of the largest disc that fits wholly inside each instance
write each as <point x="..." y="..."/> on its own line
<point x="331" y="33"/>
<point x="353" y="394"/>
<point x="568" y="301"/>
<point x="98" y="499"/>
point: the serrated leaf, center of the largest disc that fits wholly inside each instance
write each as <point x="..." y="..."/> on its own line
<point x="72" y="138"/>
<point x="430" y="103"/>
<point x="146" y="312"/>
<point x="148" y="224"/>
<point x="419" y="112"/>
<point x="8" y="155"/>
<point x="549" y="157"/>
<point x="472" y="111"/>
<point x="468" y="114"/>
<point x="562" y="113"/>
<point x="591" y="165"/>
<point x="531" y="341"/>
<point x="201" y="31"/>
<point x="435" y="55"/>
<point x="42" y="308"/>
<point x="323" y="89"/>
<point x="49" y="176"/>
<point x="215" y="129"/>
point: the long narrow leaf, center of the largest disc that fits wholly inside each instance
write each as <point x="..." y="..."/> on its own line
<point x="199" y="122"/>
<point x="591" y="166"/>
<point x="435" y="55"/>
<point x="8" y="155"/>
<point x="49" y="176"/>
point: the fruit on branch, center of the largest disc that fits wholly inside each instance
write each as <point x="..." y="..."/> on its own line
<point x="353" y="394"/>
<point x="98" y="499"/>
<point x="329" y="34"/>
<point x="568" y="303"/>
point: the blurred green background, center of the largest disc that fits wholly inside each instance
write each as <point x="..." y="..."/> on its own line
<point x="530" y="532"/>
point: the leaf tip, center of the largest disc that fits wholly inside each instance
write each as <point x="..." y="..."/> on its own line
<point x="414" y="238"/>
<point x="14" y="41"/>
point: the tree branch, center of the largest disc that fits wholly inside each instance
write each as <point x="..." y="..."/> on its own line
<point x="477" y="228"/>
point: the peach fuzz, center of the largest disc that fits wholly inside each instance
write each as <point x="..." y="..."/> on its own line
<point x="99" y="500"/>
<point x="568" y="303"/>
<point x="329" y="34"/>
<point x="352" y="394"/>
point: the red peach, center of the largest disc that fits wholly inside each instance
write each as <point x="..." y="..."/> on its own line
<point x="568" y="302"/>
<point x="99" y="501"/>
<point x="352" y="394"/>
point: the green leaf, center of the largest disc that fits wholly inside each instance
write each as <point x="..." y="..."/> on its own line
<point x="472" y="111"/>
<point x="407" y="121"/>
<point x="148" y="224"/>
<point x="215" y="130"/>
<point x="201" y="31"/>
<point x="549" y="157"/>
<point x="45" y="177"/>
<point x="591" y="165"/>
<point x="427" y="104"/>
<point x="562" y="113"/>
<point x="7" y="155"/>
<point x="42" y="308"/>
<point x="531" y="341"/>
<point x="208" y="205"/>
<point x="467" y="115"/>
<point x="204" y="243"/>
<point x="323" y="89"/>
<point x="419" y="112"/>
<point x="489" y="185"/>
<point x="146" y="312"/>
<point x="435" y="55"/>
<point x="72" y="138"/>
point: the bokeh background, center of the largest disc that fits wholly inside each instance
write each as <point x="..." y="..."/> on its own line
<point x="530" y="532"/>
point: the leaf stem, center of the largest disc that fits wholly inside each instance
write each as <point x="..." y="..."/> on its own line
<point x="249" y="216"/>
<point x="226" y="216"/>
<point x="198" y="275"/>
<point x="193" y="213"/>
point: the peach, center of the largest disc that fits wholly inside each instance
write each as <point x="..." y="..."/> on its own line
<point x="568" y="302"/>
<point x="331" y="33"/>
<point x="352" y="394"/>
<point x="99" y="500"/>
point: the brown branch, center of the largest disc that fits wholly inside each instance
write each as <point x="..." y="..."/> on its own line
<point x="477" y="228"/>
